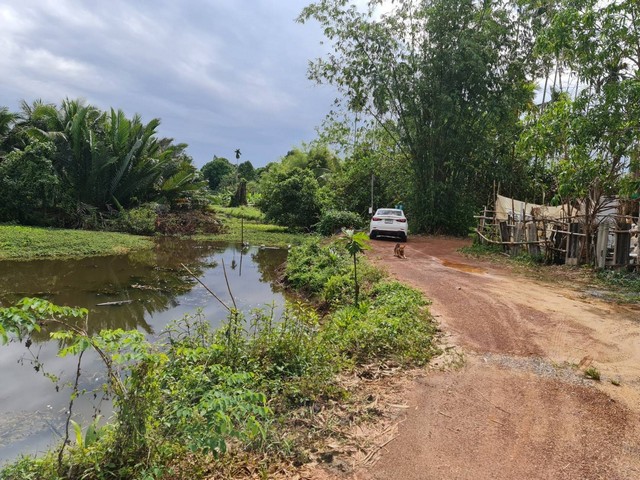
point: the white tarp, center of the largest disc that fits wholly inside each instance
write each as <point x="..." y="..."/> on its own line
<point x="508" y="207"/>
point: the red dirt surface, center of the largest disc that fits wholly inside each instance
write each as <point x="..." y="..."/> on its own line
<point x="520" y="406"/>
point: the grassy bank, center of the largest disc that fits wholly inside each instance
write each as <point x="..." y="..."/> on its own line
<point x="256" y="398"/>
<point x="28" y="243"/>
<point x="256" y="232"/>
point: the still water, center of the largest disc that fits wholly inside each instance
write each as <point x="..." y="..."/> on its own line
<point x="150" y="289"/>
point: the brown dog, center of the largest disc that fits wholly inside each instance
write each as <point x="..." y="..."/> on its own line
<point x="398" y="251"/>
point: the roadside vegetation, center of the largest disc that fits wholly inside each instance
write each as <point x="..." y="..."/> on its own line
<point x="246" y="397"/>
<point x="28" y="243"/>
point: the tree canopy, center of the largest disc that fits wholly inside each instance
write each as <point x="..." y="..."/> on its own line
<point x="83" y="159"/>
<point x="447" y="80"/>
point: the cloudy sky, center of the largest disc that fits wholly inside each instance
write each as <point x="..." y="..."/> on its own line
<point x="220" y="74"/>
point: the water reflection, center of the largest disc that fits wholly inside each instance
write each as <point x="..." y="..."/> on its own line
<point x="144" y="290"/>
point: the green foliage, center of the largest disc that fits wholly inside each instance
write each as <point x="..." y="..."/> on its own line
<point x="593" y="373"/>
<point x="72" y="164"/>
<point x="375" y="155"/>
<point x="245" y="212"/>
<point x="27" y="314"/>
<point x="310" y="267"/>
<point x="451" y="104"/>
<point x="626" y="285"/>
<point x="200" y="391"/>
<point x="246" y="171"/>
<point x="92" y="434"/>
<point x="391" y="324"/>
<point x="139" y="221"/>
<point x="585" y="139"/>
<point x="332" y="221"/>
<point x="290" y="198"/>
<point x="215" y="170"/>
<point x="256" y="232"/>
<point x="29" y="184"/>
<point x="188" y="223"/>
<point x="26" y="243"/>
<point x="355" y="243"/>
<point x="338" y="290"/>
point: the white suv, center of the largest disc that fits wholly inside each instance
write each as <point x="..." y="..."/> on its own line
<point x="389" y="221"/>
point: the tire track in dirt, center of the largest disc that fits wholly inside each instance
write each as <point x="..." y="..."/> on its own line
<point x="480" y="425"/>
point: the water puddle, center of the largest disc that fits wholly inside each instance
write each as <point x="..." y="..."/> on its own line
<point x="143" y="290"/>
<point x="463" y="267"/>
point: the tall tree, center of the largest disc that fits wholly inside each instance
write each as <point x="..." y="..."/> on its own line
<point x="590" y="141"/>
<point x="290" y="197"/>
<point x="446" y="78"/>
<point x="215" y="170"/>
<point x="246" y="171"/>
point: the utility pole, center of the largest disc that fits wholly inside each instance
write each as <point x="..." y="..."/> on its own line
<point x="371" y="207"/>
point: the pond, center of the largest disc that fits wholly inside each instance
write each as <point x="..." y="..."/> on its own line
<point x="143" y="290"/>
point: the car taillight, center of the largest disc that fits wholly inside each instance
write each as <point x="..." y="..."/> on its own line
<point x="375" y="219"/>
<point x="401" y="220"/>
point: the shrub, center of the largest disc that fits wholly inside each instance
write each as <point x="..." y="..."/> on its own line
<point x="332" y="221"/>
<point x="188" y="223"/>
<point x="338" y="290"/>
<point x="290" y="198"/>
<point x="391" y="325"/>
<point x="139" y="221"/>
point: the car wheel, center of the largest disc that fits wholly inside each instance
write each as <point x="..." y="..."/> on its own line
<point x="373" y="235"/>
<point x="403" y="237"/>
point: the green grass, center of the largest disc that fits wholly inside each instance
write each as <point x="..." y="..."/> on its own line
<point x="256" y="232"/>
<point x="28" y="243"/>
<point x="248" y="213"/>
<point x="592" y="373"/>
<point x="624" y="285"/>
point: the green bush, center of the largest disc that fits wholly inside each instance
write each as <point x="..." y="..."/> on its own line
<point x="332" y="221"/>
<point x="393" y="324"/>
<point x="290" y="198"/>
<point x="338" y="290"/>
<point x="139" y="221"/>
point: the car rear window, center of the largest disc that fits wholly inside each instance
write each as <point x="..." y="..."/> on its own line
<point x="390" y="212"/>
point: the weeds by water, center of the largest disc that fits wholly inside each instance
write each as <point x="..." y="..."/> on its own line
<point x="200" y="401"/>
<point x="28" y="243"/>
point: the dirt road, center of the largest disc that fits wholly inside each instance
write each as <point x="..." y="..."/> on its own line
<point x="520" y="406"/>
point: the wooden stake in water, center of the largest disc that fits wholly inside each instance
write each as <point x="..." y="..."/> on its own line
<point x="242" y="232"/>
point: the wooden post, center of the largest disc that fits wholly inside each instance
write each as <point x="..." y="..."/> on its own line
<point x="504" y="235"/>
<point x="573" y="245"/>
<point x="482" y="225"/>
<point x="623" y="246"/>
<point x="517" y="237"/>
<point x="532" y="236"/>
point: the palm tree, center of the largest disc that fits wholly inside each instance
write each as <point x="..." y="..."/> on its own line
<point x="7" y="121"/>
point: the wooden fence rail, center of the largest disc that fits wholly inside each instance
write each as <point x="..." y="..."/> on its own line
<point x="612" y="243"/>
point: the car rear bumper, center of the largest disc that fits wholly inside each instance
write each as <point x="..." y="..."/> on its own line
<point x="388" y="230"/>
